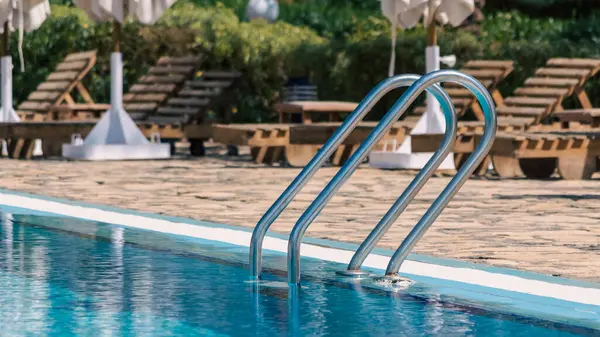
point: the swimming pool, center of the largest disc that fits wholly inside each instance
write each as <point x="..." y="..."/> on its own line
<point x="63" y="276"/>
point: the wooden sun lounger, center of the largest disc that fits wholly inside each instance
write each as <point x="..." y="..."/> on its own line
<point x="49" y="100"/>
<point x="544" y="93"/>
<point x="306" y="140"/>
<point x="161" y="82"/>
<point x="56" y="133"/>
<point x="539" y="99"/>
<point x="540" y="153"/>
<point x="57" y="91"/>
<point x="197" y="96"/>
<point x="309" y="108"/>
<point x="191" y="104"/>
<point x="174" y="93"/>
<point x="151" y="91"/>
<point x="296" y="144"/>
<point x="489" y="73"/>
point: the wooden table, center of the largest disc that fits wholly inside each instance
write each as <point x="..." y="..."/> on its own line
<point x="307" y="108"/>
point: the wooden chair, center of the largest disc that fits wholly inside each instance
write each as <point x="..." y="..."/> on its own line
<point x="152" y="101"/>
<point x="306" y="109"/>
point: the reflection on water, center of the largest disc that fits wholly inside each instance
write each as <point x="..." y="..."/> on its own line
<point x="97" y="283"/>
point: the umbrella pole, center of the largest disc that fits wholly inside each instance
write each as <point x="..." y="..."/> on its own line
<point x="6" y="78"/>
<point x="433" y="116"/>
<point x="5" y="39"/>
<point x="116" y="70"/>
<point x="116" y="36"/>
<point x="431" y="35"/>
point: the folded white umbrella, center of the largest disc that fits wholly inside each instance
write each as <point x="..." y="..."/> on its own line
<point x="26" y="16"/>
<point x="406" y="14"/>
<point x="145" y="11"/>
<point x="116" y="135"/>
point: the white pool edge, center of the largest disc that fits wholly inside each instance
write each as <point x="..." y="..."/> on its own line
<point x="577" y="294"/>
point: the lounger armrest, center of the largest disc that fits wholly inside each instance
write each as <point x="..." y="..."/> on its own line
<point x="80" y="107"/>
<point x="591" y="116"/>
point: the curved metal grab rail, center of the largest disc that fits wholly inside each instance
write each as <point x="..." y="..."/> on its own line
<point x="325" y="152"/>
<point x="461" y="176"/>
<point x="399" y="108"/>
<point x="407" y="197"/>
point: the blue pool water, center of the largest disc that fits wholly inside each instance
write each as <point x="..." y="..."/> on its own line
<point x="65" y="277"/>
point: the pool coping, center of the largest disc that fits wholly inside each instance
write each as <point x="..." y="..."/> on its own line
<point x="581" y="295"/>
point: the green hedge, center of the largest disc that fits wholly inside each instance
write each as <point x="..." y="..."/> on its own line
<point x="343" y="68"/>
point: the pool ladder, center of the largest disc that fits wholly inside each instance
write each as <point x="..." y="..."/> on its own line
<point x="416" y="85"/>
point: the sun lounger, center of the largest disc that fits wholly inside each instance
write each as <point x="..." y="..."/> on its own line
<point x="46" y="103"/>
<point x="161" y="82"/>
<point x="538" y="154"/>
<point x="296" y="144"/>
<point x="544" y="93"/>
<point x="58" y="90"/>
<point x="197" y="97"/>
<point x="56" y="133"/>
<point x="534" y="107"/>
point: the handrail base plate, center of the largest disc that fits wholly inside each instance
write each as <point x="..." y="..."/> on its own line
<point x="354" y="273"/>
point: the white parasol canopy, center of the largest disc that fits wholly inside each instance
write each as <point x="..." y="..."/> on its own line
<point x="406" y="14"/>
<point x="145" y="11"/>
<point x="116" y="136"/>
<point x="26" y="15"/>
<point x="32" y="12"/>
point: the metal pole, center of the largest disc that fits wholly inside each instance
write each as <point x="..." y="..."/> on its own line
<point x="116" y="36"/>
<point x="346" y="171"/>
<point x="310" y="169"/>
<point x="5" y="40"/>
<point x="116" y="71"/>
<point x="465" y="171"/>
<point x="6" y="92"/>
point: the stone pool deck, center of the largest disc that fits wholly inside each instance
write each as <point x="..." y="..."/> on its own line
<point x="550" y="227"/>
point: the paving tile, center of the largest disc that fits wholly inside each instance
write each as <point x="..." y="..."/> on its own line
<point x="550" y="227"/>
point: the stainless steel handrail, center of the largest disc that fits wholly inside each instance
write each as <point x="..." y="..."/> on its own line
<point x="323" y="154"/>
<point x="461" y="176"/>
<point x="414" y="187"/>
<point x="397" y="110"/>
